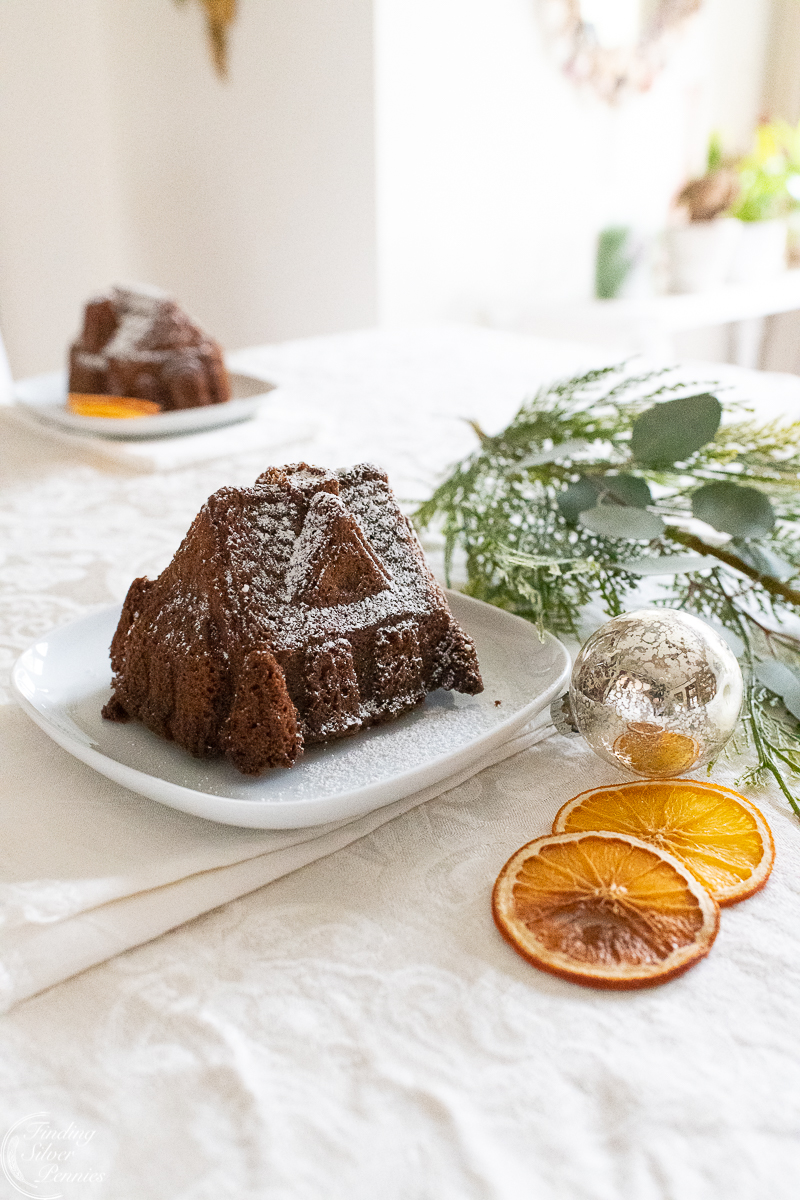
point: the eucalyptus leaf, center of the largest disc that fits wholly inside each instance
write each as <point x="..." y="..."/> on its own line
<point x="671" y="431"/>
<point x="629" y="489"/>
<point x="743" y="511"/>
<point x="780" y="679"/>
<point x="577" y="498"/>
<point x="763" y="558"/>
<point x="667" y="564"/>
<point x="587" y="491"/>
<point x="616" y="521"/>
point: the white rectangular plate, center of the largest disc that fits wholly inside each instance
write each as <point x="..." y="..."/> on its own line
<point x="64" y="680"/>
<point x="44" y="397"/>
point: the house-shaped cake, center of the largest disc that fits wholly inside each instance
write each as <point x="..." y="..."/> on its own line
<point x="136" y="341"/>
<point x="295" y="611"/>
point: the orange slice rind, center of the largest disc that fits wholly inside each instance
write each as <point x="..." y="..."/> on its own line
<point x="604" y="909"/>
<point x="650" y="750"/>
<point x="87" y="405"/>
<point x="717" y="834"/>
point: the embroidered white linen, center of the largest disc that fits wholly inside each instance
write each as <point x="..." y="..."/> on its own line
<point x="358" y="1028"/>
<point x="91" y="869"/>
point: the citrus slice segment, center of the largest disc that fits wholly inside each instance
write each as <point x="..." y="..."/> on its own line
<point x="90" y="405"/>
<point x="719" y="835"/>
<point x="603" y="909"/>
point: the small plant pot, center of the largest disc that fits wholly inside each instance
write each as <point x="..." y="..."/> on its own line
<point x="761" y="253"/>
<point x="793" y="245"/>
<point x="701" y="254"/>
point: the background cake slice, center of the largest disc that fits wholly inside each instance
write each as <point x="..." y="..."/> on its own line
<point x="295" y="611"/>
<point x="136" y="341"/>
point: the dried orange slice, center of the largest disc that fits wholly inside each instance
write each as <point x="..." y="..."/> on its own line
<point x="719" y="835"/>
<point x="88" y="405"/>
<point x="650" y="750"/>
<point x="604" y="909"/>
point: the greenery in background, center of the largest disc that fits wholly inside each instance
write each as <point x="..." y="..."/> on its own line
<point x="759" y="187"/>
<point x="715" y="157"/>
<point x="614" y="261"/>
<point x="769" y="177"/>
<point x="601" y="480"/>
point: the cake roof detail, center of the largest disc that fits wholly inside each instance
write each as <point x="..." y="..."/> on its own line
<point x="333" y="561"/>
<point x="320" y="554"/>
<point x="140" y="320"/>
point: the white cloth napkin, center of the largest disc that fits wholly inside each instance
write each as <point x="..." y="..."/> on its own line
<point x="90" y="869"/>
<point x="269" y="431"/>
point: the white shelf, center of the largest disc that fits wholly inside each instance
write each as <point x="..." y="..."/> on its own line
<point x="648" y="325"/>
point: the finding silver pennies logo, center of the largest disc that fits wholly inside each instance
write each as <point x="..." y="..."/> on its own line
<point x="41" y="1157"/>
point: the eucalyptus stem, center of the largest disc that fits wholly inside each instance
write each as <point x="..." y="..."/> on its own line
<point x="774" y="586"/>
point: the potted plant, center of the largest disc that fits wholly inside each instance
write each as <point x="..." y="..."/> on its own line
<point x="764" y="202"/>
<point x="701" y="248"/>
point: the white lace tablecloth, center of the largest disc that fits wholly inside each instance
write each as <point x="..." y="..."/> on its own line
<point x="358" y="1028"/>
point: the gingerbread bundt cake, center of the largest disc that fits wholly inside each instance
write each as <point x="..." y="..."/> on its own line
<point x="295" y="611"/>
<point x="137" y="342"/>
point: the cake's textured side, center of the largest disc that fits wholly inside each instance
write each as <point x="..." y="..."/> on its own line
<point x="295" y="611"/>
<point x="138" y="342"/>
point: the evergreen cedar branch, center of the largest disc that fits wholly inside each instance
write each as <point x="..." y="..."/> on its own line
<point x="529" y="551"/>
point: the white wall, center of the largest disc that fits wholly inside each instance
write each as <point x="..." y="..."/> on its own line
<point x="782" y="90"/>
<point x="61" y="232"/>
<point x="255" y="200"/>
<point x="495" y="173"/>
<point x="124" y="156"/>
<point x="251" y="200"/>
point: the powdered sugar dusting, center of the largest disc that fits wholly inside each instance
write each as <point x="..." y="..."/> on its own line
<point x="273" y="555"/>
<point x="137" y="309"/>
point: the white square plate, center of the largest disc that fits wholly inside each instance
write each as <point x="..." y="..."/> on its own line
<point x="64" y="680"/>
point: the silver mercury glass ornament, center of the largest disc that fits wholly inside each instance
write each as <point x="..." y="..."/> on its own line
<point x="656" y="692"/>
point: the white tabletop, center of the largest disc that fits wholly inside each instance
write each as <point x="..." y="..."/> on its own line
<point x="358" y="1028"/>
